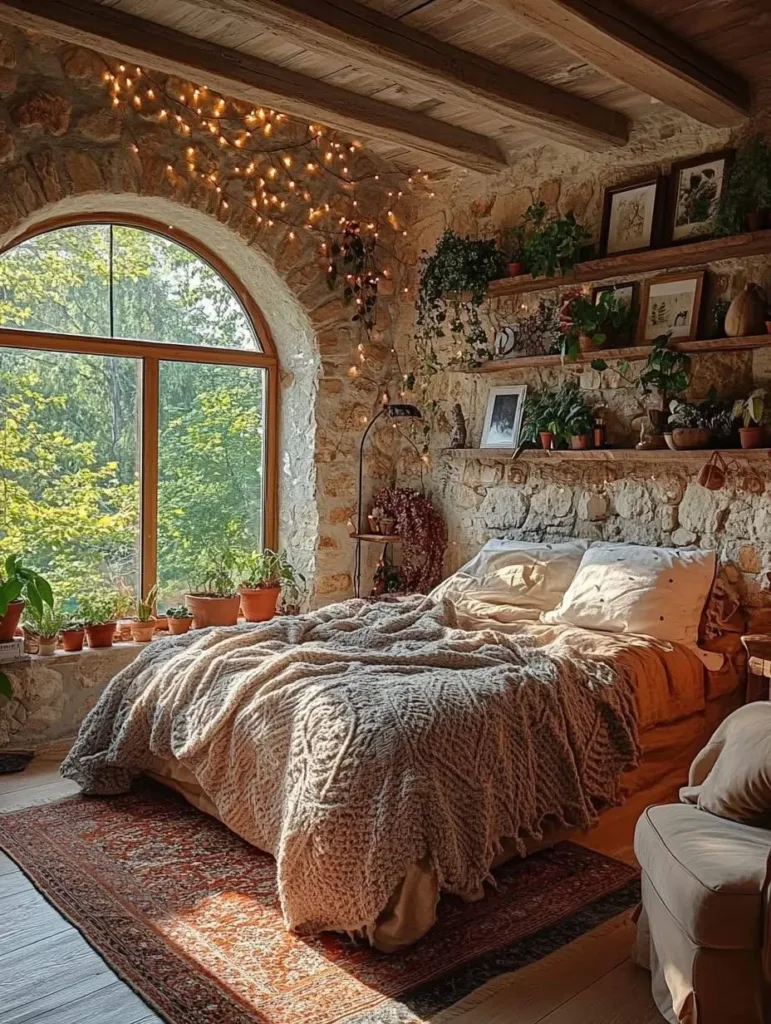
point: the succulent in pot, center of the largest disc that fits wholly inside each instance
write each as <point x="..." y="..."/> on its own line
<point x="99" y="618"/>
<point x="143" y="623"/>
<point x="750" y="411"/>
<point x="45" y="625"/>
<point x="179" y="619"/>
<point x="213" y="598"/>
<point x="266" y="574"/>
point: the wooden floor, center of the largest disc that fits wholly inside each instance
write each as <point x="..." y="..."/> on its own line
<point x="50" y="975"/>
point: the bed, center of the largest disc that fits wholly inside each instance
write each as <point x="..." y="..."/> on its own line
<point x="329" y="779"/>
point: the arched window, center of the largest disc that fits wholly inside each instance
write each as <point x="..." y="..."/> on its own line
<point x="138" y="389"/>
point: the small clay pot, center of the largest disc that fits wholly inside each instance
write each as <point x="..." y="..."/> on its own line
<point x="515" y="269"/>
<point x="713" y="474"/>
<point x="580" y="442"/>
<point x="213" y="611"/>
<point x="46" y="646"/>
<point x="10" y="621"/>
<point x="72" y="639"/>
<point x="142" y="632"/>
<point x="690" y="438"/>
<point x="751" y="437"/>
<point x="259" y="603"/>
<point x="546" y="438"/>
<point x="177" y="627"/>
<point x="123" y="630"/>
<point x="101" y="634"/>
<point x="387" y="525"/>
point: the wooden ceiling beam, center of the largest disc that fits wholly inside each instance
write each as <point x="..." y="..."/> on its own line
<point x="248" y="78"/>
<point x="636" y="50"/>
<point x="374" y="42"/>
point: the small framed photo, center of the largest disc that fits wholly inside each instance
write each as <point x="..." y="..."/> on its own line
<point x="627" y="292"/>
<point x="670" y="303"/>
<point x="695" y="189"/>
<point x="632" y="216"/>
<point x="503" y="419"/>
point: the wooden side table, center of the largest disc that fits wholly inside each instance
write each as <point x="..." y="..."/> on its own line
<point x="758" y="648"/>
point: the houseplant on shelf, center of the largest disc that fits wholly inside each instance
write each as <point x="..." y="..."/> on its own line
<point x="72" y="635"/>
<point x="586" y="325"/>
<point x="143" y="623"/>
<point x="551" y="243"/>
<point x="179" y="619"/>
<point x="213" y="598"/>
<point x="750" y="411"/>
<point x="46" y="625"/>
<point x="99" y="619"/>
<point x="553" y="416"/>
<point x="579" y="425"/>
<point x="690" y="426"/>
<point x="266" y="573"/>
<point x="746" y="200"/>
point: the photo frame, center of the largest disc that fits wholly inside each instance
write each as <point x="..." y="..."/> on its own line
<point x="626" y="290"/>
<point x="695" y="189"/>
<point x="503" y="417"/>
<point x="670" y="302"/>
<point x="632" y="216"/>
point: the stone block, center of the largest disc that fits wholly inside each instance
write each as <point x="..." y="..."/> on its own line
<point x="44" y="110"/>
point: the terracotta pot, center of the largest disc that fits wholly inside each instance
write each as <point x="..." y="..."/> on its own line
<point x="46" y="646"/>
<point x="713" y="474"/>
<point x="580" y="442"/>
<point x="547" y="438"/>
<point x="259" y="604"/>
<point x="213" y="611"/>
<point x="72" y="639"/>
<point x="751" y="437"/>
<point x="161" y="622"/>
<point x="515" y="269"/>
<point x="123" y="630"/>
<point x="586" y="344"/>
<point x="179" y="626"/>
<point x="101" y="635"/>
<point x="689" y="438"/>
<point x="10" y="621"/>
<point x="142" y="632"/>
<point x="387" y="525"/>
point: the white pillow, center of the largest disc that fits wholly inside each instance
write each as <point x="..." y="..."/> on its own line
<point x="528" y="577"/>
<point x="629" y="588"/>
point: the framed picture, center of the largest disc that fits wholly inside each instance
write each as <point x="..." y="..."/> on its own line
<point x="670" y="303"/>
<point x="695" y="189"/>
<point x="503" y="418"/>
<point x="627" y="292"/>
<point x="632" y="216"/>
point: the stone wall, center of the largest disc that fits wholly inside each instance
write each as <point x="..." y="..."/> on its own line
<point x="645" y="503"/>
<point x="63" y="152"/>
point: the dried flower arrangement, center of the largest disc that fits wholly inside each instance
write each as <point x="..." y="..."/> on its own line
<point x="423" y="533"/>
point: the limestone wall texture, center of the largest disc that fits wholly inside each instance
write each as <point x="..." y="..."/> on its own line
<point x="483" y="498"/>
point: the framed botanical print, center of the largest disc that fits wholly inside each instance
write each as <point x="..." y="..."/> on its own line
<point x="670" y="305"/>
<point x="632" y="216"/>
<point x="503" y="419"/>
<point x="695" y="189"/>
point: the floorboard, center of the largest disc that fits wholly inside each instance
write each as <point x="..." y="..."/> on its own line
<point x="50" y="975"/>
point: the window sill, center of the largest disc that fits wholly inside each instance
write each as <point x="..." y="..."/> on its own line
<point x="65" y="657"/>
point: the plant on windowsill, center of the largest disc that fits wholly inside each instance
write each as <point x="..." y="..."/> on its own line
<point x="750" y="411"/>
<point x="45" y="625"/>
<point x="586" y="325"/>
<point x="179" y="619"/>
<point x="72" y="635"/>
<point x="143" y="623"/>
<point x="213" y="598"/>
<point x="746" y="199"/>
<point x="19" y="586"/>
<point x="266" y="574"/>
<point x="99" y="618"/>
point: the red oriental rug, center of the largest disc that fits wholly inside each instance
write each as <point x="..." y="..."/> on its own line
<point x="188" y="914"/>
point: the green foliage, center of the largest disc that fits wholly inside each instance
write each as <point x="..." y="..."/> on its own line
<point x="549" y="242"/>
<point x="560" y="411"/>
<point x="714" y="414"/>
<point x="266" y="569"/>
<point x="18" y="580"/>
<point x="180" y="611"/>
<point x="97" y="608"/>
<point x="47" y="622"/>
<point x="609" y="317"/>
<point x="748" y="189"/>
<point x="355" y="257"/>
<point x="666" y="371"/>
<point x="750" y="409"/>
<point x="216" y="576"/>
<point x="146" y="605"/>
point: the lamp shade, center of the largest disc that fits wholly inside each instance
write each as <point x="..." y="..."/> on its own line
<point x="402" y="411"/>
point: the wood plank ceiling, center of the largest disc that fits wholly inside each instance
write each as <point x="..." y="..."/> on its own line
<point x="437" y="83"/>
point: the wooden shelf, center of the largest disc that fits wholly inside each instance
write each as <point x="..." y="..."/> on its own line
<point x="665" y="455"/>
<point x="377" y="538"/>
<point x="691" y="254"/>
<point x="631" y="353"/>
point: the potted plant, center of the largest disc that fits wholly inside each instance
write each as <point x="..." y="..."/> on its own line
<point x="143" y="623"/>
<point x="746" y="199"/>
<point x="750" y="411"/>
<point x="45" y="625"/>
<point x="514" y="247"/>
<point x="690" y="426"/>
<point x="20" y="585"/>
<point x="551" y="243"/>
<point x="72" y="635"/>
<point x="266" y="573"/>
<point x="99" y="619"/>
<point x="213" y="598"/>
<point x="553" y="415"/>
<point x="124" y="605"/>
<point x="587" y="325"/>
<point x="179" y="619"/>
<point x="579" y="425"/>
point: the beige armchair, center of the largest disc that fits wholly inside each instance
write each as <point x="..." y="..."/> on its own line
<point x="704" y="928"/>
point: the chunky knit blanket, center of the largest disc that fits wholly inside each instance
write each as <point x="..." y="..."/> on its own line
<point x="354" y="741"/>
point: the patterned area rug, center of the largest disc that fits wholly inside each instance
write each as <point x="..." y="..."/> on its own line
<point x="188" y="914"/>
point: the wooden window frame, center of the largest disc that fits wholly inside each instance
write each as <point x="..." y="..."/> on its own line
<point x="150" y="355"/>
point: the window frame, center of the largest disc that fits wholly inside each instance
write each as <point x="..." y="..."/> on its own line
<point x="150" y="354"/>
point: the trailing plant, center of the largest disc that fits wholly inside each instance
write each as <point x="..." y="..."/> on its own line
<point x="98" y="608"/>
<point x="608" y="317"/>
<point x="47" y="622"/>
<point x="353" y="259"/>
<point x="453" y="285"/>
<point x="180" y="611"/>
<point x="267" y="569"/>
<point x="750" y="409"/>
<point x="423" y="533"/>
<point x="145" y="607"/>
<point x="19" y="582"/>
<point x="217" y="576"/>
<point x="530" y="334"/>
<point x="748" y="189"/>
<point x="666" y="371"/>
<point x="551" y="242"/>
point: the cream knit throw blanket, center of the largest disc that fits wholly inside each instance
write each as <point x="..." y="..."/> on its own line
<point x="353" y="741"/>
